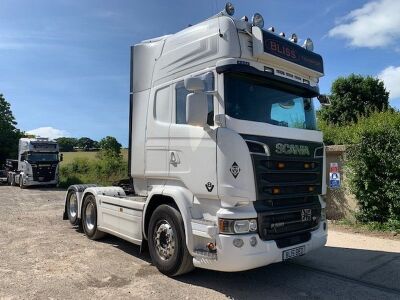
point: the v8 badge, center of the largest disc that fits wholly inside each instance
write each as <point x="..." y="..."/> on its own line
<point x="235" y="170"/>
<point x="209" y="186"/>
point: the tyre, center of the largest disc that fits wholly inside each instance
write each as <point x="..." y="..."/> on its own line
<point x="12" y="183"/>
<point x="21" y="183"/>
<point x="71" y="207"/>
<point x="167" y="245"/>
<point x="89" y="218"/>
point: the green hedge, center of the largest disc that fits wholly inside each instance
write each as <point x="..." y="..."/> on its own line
<point x="103" y="171"/>
<point x="372" y="164"/>
<point x="374" y="173"/>
<point x="352" y="133"/>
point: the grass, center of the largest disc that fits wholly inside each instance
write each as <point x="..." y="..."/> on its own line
<point x="389" y="226"/>
<point x="88" y="167"/>
<point x="69" y="157"/>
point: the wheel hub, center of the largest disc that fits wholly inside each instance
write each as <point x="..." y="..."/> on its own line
<point x="164" y="240"/>
<point x="90" y="216"/>
<point x="73" y="205"/>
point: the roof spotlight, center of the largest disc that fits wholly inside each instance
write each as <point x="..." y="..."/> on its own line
<point x="294" y="38"/>
<point x="282" y="34"/>
<point x="258" y="20"/>
<point x="308" y="44"/>
<point x="272" y="29"/>
<point x="229" y="9"/>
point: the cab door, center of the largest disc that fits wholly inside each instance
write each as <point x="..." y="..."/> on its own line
<point x="192" y="149"/>
<point x="157" y="139"/>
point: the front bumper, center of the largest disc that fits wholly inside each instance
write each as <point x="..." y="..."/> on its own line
<point x="233" y="259"/>
<point x="28" y="182"/>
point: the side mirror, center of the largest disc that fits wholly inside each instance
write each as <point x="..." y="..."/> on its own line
<point x="324" y="100"/>
<point x="194" y="84"/>
<point x="61" y="157"/>
<point x="196" y="109"/>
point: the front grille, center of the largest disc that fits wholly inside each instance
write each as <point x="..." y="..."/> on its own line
<point x="283" y="223"/>
<point x="294" y="179"/>
<point x="287" y="185"/>
<point x="44" y="172"/>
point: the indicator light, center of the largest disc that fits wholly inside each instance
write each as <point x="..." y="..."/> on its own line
<point x="276" y="190"/>
<point x="281" y="165"/>
<point x="311" y="189"/>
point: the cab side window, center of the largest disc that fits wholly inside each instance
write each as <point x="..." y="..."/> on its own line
<point x="181" y="93"/>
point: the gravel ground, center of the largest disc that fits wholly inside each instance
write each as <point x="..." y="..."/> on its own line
<point x="42" y="256"/>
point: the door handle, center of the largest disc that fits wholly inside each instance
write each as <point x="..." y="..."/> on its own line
<point x="174" y="158"/>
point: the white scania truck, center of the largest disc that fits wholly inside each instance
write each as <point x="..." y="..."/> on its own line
<point x="227" y="164"/>
<point x="37" y="164"/>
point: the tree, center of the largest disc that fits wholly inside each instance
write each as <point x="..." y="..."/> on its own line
<point x="110" y="146"/>
<point x="67" y="144"/>
<point x="9" y="134"/>
<point x="354" y="96"/>
<point x="86" y="143"/>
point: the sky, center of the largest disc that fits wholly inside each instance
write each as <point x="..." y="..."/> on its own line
<point x="64" y="65"/>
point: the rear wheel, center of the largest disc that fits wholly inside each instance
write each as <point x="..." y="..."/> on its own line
<point x="167" y="245"/>
<point x="72" y="208"/>
<point x="89" y="218"/>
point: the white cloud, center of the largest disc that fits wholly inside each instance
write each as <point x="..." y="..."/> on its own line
<point x="391" y="78"/>
<point x="376" y="24"/>
<point x="49" y="132"/>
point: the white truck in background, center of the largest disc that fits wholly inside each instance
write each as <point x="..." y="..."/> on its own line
<point x="226" y="160"/>
<point x="37" y="164"/>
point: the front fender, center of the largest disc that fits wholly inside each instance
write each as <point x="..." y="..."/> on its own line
<point x="183" y="199"/>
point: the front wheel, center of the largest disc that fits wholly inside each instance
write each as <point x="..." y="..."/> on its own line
<point x="21" y="182"/>
<point x="167" y="245"/>
<point x="89" y="218"/>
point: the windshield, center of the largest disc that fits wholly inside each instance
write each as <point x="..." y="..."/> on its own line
<point x="37" y="157"/>
<point x="253" y="98"/>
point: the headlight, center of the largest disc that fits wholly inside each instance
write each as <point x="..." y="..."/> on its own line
<point x="323" y="214"/>
<point x="227" y="226"/>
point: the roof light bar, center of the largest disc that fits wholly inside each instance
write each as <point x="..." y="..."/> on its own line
<point x="258" y="20"/>
<point x="308" y="44"/>
<point x="294" y="38"/>
<point x="229" y="9"/>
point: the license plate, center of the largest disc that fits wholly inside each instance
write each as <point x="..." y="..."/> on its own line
<point x="41" y="178"/>
<point x="294" y="252"/>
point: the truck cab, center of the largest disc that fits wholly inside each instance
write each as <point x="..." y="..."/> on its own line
<point x="226" y="160"/>
<point x="38" y="162"/>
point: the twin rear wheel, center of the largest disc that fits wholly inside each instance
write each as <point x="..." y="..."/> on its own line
<point x="166" y="235"/>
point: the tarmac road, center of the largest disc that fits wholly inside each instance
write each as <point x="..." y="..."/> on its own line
<point x="42" y="256"/>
